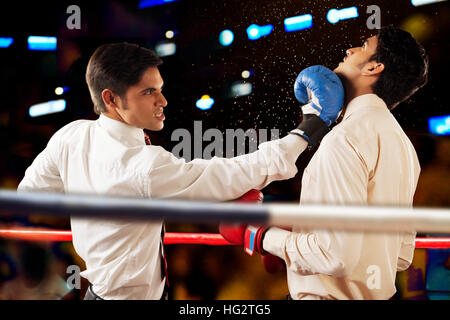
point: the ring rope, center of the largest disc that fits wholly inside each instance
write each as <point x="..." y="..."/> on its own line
<point x="356" y="218"/>
<point x="212" y="239"/>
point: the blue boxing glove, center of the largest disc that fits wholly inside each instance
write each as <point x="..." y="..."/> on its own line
<point x="322" y="93"/>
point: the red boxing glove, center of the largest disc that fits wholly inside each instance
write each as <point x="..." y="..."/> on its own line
<point x="248" y="236"/>
<point x="272" y="263"/>
<point x="242" y="234"/>
<point x="254" y="196"/>
<point x="233" y="233"/>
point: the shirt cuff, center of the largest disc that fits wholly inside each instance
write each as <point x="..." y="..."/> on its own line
<point x="295" y="142"/>
<point x="274" y="241"/>
<point x="294" y="145"/>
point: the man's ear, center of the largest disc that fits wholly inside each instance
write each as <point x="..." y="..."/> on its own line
<point x="109" y="99"/>
<point x="373" y="68"/>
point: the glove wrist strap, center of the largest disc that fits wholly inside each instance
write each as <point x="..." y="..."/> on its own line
<point x="253" y="239"/>
<point x="312" y="129"/>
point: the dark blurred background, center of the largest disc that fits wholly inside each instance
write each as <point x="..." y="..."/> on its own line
<point x="200" y="66"/>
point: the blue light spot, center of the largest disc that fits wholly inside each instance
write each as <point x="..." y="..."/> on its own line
<point x="348" y="13"/>
<point x="152" y="3"/>
<point x="6" y="42"/>
<point x="439" y="125"/>
<point x="165" y="49"/>
<point x="254" y="32"/>
<point x="42" y="43"/>
<point x="226" y="37"/>
<point x="47" y="108"/>
<point x="298" y="23"/>
<point x="204" y="103"/>
<point x="417" y="3"/>
<point x="241" y="88"/>
<point x="334" y="15"/>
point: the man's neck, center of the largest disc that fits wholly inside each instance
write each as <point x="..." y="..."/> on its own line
<point x="351" y="92"/>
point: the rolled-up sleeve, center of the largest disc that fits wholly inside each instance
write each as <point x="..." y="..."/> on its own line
<point x="337" y="176"/>
<point x="222" y="179"/>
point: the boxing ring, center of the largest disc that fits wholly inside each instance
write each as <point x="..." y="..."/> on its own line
<point x="351" y="218"/>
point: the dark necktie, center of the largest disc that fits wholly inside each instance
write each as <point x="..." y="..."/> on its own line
<point x="163" y="255"/>
<point x="147" y="139"/>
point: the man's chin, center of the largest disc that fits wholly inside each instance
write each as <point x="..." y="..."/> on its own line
<point x="154" y="127"/>
<point x="337" y="68"/>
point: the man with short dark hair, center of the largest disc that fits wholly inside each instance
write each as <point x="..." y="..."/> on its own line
<point x="113" y="156"/>
<point x="365" y="160"/>
<point x="109" y="81"/>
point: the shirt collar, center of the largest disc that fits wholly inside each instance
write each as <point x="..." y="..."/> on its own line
<point x="365" y="100"/>
<point x="122" y="131"/>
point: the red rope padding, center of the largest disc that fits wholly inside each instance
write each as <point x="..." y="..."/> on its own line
<point x="212" y="239"/>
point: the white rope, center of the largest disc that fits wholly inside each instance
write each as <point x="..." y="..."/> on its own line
<point x="352" y="218"/>
<point x="362" y="218"/>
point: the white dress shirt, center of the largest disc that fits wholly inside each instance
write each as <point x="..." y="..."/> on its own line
<point x="109" y="157"/>
<point x="365" y="160"/>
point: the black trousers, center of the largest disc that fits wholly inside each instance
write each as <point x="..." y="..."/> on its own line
<point x="90" y="294"/>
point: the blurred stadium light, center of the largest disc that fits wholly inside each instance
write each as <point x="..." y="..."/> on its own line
<point x="246" y="74"/>
<point x="5" y="42"/>
<point x="417" y="3"/>
<point x="42" y="43"/>
<point x="47" y="108"/>
<point x="226" y="37"/>
<point x="241" y="88"/>
<point x="439" y="125"/>
<point x="298" y="23"/>
<point x="205" y="102"/>
<point x="335" y="15"/>
<point x="152" y="3"/>
<point x="170" y="34"/>
<point x="61" y="90"/>
<point x="254" y="32"/>
<point x="164" y="49"/>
